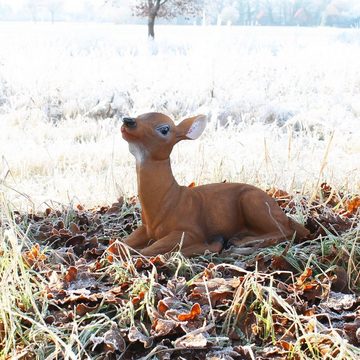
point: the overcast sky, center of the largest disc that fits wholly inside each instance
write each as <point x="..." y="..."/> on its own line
<point x="69" y="5"/>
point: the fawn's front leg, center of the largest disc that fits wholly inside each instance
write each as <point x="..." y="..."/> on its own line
<point x="178" y="240"/>
<point x="138" y="239"/>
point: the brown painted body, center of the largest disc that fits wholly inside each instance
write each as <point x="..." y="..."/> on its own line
<point x="200" y="218"/>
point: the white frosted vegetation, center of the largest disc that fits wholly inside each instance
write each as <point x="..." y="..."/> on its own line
<point x="275" y="98"/>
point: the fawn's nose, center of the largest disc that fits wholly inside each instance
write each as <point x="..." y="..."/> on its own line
<point x="129" y="122"/>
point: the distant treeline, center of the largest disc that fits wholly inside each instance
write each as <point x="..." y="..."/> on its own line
<point x="344" y="13"/>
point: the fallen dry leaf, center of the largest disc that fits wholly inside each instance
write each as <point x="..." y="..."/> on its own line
<point x="33" y="256"/>
<point x="110" y="342"/>
<point x="163" y="327"/>
<point x="135" y="335"/>
<point x="282" y="197"/>
<point x="303" y="277"/>
<point x="353" y="205"/>
<point x="195" y="311"/>
<point x="191" y="341"/>
<point x="113" y="340"/>
<point x="162" y="307"/>
<point x="82" y="309"/>
<point x="71" y="274"/>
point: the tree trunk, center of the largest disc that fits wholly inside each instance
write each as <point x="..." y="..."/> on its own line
<point x="151" y="23"/>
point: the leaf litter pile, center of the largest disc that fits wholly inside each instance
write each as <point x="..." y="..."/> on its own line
<point x="74" y="291"/>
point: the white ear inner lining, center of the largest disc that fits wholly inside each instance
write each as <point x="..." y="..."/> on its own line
<point x="196" y="128"/>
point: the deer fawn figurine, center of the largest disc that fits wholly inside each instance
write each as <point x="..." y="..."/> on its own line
<point x="206" y="217"/>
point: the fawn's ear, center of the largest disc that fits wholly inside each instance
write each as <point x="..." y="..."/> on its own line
<point x="191" y="128"/>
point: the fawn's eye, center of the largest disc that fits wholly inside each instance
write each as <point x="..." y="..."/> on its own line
<point x="164" y="129"/>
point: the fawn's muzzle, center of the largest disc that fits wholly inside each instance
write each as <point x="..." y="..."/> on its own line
<point x="129" y="122"/>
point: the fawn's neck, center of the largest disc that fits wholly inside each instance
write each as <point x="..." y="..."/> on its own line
<point x="157" y="189"/>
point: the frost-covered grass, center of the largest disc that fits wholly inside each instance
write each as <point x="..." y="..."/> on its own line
<point x="88" y="297"/>
<point x="283" y="104"/>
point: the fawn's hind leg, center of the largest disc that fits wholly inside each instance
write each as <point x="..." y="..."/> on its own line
<point x="265" y="222"/>
<point x="258" y="241"/>
<point x="183" y="242"/>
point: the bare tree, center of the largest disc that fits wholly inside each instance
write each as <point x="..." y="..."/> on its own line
<point x="165" y="9"/>
<point x="54" y="6"/>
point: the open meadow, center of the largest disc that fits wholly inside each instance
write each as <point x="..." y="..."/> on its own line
<point x="276" y="98"/>
<point x="283" y="106"/>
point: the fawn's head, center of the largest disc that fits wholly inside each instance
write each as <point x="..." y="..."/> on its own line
<point x="153" y="135"/>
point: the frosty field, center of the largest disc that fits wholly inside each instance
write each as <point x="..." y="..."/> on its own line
<point x="283" y="106"/>
<point x="284" y="111"/>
